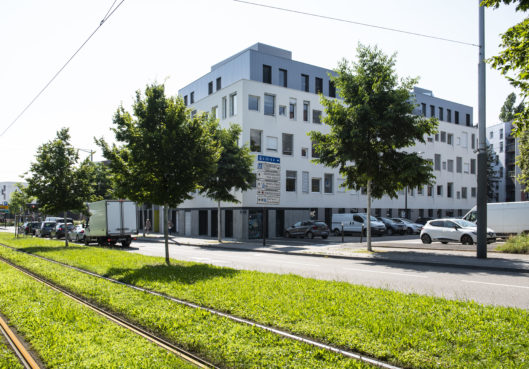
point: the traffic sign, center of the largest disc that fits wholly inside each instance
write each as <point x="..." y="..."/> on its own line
<point x="268" y="180"/>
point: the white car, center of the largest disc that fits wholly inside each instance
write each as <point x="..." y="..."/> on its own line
<point x="453" y="230"/>
<point x="76" y="234"/>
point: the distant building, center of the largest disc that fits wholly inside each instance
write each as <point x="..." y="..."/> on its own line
<point x="505" y="146"/>
<point x="275" y="100"/>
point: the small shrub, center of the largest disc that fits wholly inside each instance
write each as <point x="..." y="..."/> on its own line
<point x="515" y="245"/>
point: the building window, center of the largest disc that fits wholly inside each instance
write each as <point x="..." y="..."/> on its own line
<point x="437" y="162"/>
<point x="283" y="77"/>
<point x="304" y="152"/>
<point x="501" y="133"/>
<point x="291" y="181"/>
<point x="192" y="97"/>
<point x="458" y="195"/>
<point x="255" y="140"/>
<point x="459" y="164"/>
<point x="473" y="191"/>
<point x="185" y="100"/>
<point x="332" y="89"/>
<point x="491" y="134"/>
<point x="501" y="146"/>
<point x="444" y="165"/>
<point x="465" y="168"/>
<point x="472" y="166"/>
<point x="318" y="85"/>
<point x="288" y="144"/>
<point x="449" y="189"/>
<point x="219" y="83"/>
<point x="429" y="191"/>
<point x="437" y="137"/>
<point x="214" y="112"/>
<point x="430" y="139"/>
<point x="271" y="143"/>
<point x="450" y="165"/>
<point x="210" y="88"/>
<point x="224" y="107"/>
<point x="316" y="185"/>
<point x="305" y="182"/>
<point x="314" y="153"/>
<point x="432" y="111"/>
<point x="440" y="190"/>
<point x="464" y="192"/>
<point x="292" y="109"/>
<point x="419" y="190"/>
<point x="269" y="104"/>
<point x="267" y="74"/>
<point x="456" y="116"/>
<point x="449" y="115"/>
<point x="316" y="116"/>
<point x="423" y="109"/>
<point x="304" y="83"/>
<point x="327" y="183"/>
<point x="473" y="143"/>
<point x="441" y="113"/>
<point x="468" y="120"/>
<point x="443" y="136"/>
<point x="283" y="110"/>
<point x="233" y="104"/>
<point x="306" y="107"/>
<point x="253" y="102"/>
<point x="450" y="139"/>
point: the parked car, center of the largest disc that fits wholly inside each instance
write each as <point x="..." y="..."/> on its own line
<point x="77" y="233"/>
<point x="309" y="229"/>
<point x="356" y="223"/>
<point x="453" y="230"/>
<point x="506" y="218"/>
<point x="45" y="229"/>
<point x="59" y="230"/>
<point x="422" y="220"/>
<point x="411" y="227"/>
<point x="393" y="227"/>
<point x="29" y="227"/>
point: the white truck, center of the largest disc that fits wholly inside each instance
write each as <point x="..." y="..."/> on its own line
<point x="110" y="222"/>
<point x="504" y="218"/>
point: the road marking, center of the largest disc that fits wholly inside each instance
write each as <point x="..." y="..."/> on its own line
<point x="207" y="260"/>
<point x="304" y="264"/>
<point x="393" y="273"/>
<point x="496" y="284"/>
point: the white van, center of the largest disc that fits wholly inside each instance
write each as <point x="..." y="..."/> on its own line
<point x="355" y="223"/>
<point x="505" y="218"/>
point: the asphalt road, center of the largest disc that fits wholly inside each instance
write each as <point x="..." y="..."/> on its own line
<point x="486" y="287"/>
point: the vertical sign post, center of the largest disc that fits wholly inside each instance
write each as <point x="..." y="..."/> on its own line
<point x="268" y="185"/>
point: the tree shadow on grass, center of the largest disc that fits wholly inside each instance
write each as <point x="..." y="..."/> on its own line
<point x="37" y="249"/>
<point x="162" y="273"/>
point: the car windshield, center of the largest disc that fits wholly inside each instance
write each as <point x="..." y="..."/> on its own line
<point x="463" y="223"/>
<point x="397" y="220"/>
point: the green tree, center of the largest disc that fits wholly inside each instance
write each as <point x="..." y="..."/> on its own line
<point x="509" y="110"/>
<point x="56" y="178"/>
<point x="371" y="128"/>
<point x="19" y="202"/>
<point x="102" y="183"/>
<point x="165" y="153"/>
<point x="233" y="170"/>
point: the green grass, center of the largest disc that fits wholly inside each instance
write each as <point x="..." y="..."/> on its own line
<point x="222" y="341"/>
<point x="406" y="329"/>
<point x="68" y="335"/>
<point x="515" y="245"/>
<point x="8" y="359"/>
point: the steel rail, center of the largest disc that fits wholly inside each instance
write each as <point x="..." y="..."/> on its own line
<point x="282" y="333"/>
<point x="22" y="353"/>
<point x="201" y="363"/>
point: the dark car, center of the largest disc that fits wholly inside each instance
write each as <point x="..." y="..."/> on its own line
<point x="45" y="229"/>
<point x="423" y="220"/>
<point x="308" y="228"/>
<point x="29" y="227"/>
<point x="58" y="230"/>
<point x="393" y="227"/>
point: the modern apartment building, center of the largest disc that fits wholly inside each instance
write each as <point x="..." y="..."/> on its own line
<point x="505" y="146"/>
<point x="276" y="101"/>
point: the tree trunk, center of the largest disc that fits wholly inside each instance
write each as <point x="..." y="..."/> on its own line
<point x="218" y="223"/>
<point x="166" y="232"/>
<point x="16" y="227"/>
<point x="65" y="230"/>
<point x="144" y="218"/>
<point x="369" y="215"/>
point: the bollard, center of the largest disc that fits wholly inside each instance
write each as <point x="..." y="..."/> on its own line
<point x="361" y="233"/>
<point x="342" y="233"/>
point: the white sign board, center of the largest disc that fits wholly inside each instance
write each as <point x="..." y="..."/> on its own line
<point x="268" y="180"/>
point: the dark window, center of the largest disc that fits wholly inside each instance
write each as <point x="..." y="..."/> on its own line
<point x="291" y="181"/>
<point x="305" y="82"/>
<point x="255" y="140"/>
<point x="450" y="165"/>
<point x="269" y="104"/>
<point x="210" y="88"/>
<point x="432" y="111"/>
<point x="327" y="183"/>
<point x="192" y="97"/>
<point x="473" y="143"/>
<point x="459" y="164"/>
<point x="332" y="89"/>
<point x="423" y="109"/>
<point x="440" y="190"/>
<point x="305" y="111"/>
<point x="185" y="100"/>
<point x="464" y="192"/>
<point x="316" y="116"/>
<point x="441" y="113"/>
<point x="437" y="162"/>
<point x="288" y="143"/>
<point x="319" y="85"/>
<point x="267" y="74"/>
<point x="443" y="136"/>
<point x="473" y="191"/>
<point x="292" y="110"/>
<point x="316" y="185"/>
<point x="219" y="83"/>
<point x="473" y="166"/>
<point x="456" y="116"/>
<point x="283" y="77"/>
<point x="468" y="120"/>
<point x="449" y="115"/>
<point x="450" y="139"/>
<point x="314" y="153"/>
<point x="253" y="102"/>
<point x="449" y="189"/>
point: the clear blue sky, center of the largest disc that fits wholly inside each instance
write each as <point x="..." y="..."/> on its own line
<point x="178" y="41"/>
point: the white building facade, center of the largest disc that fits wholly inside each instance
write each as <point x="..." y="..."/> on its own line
<point x="275" y="100"/>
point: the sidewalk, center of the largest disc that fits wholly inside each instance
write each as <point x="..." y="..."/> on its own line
<point x="384" y="251"/>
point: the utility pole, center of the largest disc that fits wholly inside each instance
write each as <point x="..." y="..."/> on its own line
<point x="482" y="149"/>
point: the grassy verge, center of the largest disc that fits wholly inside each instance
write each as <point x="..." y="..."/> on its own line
<point x="8" y="359"/>
<point x="515" y="245"/>
<point x="222" y="341"/>
<point x="408" y="329"/>
<point x="68" y="335"/>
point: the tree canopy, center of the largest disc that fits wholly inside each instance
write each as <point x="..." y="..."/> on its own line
<point x="509" y="110"/>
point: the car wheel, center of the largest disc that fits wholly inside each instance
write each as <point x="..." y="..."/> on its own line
<point x="467" y="240"/>
<point x="325" y="236"/>
<point x="389" y="231"/>
<point x="310" y="235"/>
<point x="287" y="234"/>
<point x="77" y="238"/>
<point x="409" y="231"/>
<point x="337" y="232"/>
<point x="444" y="242"/>
<point x="426" y="239"/>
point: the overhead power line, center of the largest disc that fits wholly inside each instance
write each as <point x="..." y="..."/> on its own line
<point x="357" y="23"/>
<point x="105" y="18"/>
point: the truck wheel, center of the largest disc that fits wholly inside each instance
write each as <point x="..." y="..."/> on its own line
<point x="86" y="241"/>
<point x="125" y="243"/>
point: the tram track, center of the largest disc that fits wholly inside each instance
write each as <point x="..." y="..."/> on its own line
<point x="279" y="332"/>
<point x="17" y="346"/>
